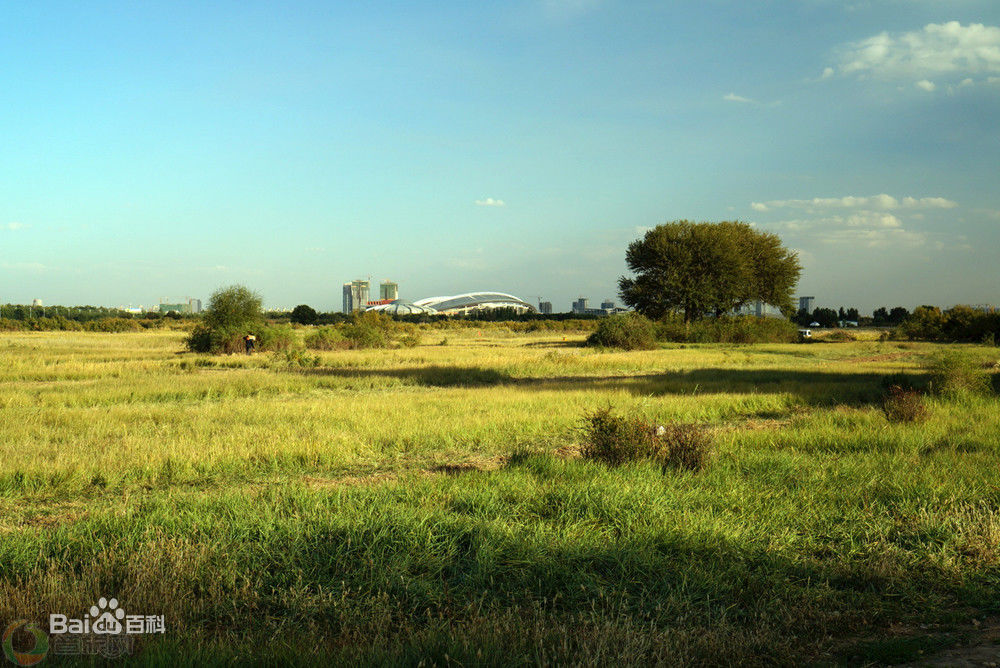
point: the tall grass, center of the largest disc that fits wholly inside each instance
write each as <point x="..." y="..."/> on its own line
<point x="367" y="509"/>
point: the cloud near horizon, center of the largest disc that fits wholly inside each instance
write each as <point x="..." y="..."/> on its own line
<point x="879" y="202"/>
<point x="489" y="201"/>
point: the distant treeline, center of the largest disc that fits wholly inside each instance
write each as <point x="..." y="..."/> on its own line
<point x="959" y="324"/>
<point x="305" y="315"/>
<point x="107" y="324"/>
<point x="828" y="317"/>
<point x="79" y="313"/>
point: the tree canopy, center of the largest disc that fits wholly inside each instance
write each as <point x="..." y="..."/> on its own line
<point x="304" y="314"/>
<point x="702" y="269"/>
<point x="233" y="307"/>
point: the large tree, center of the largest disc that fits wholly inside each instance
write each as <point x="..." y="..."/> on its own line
<point x="233" y="307"/>
<point x="701" y="269"/>
<point x="304" y="314"/>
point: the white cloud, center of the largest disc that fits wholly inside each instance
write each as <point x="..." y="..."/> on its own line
<point x="873" y="219"/>
<point x="938" y="49"/>
<point x="733" y="97"/>
<point x="929" y="203"/>
<point x="489" y="201"/>
<point x="14" y="226"/>
<point x="926" y="85"/>
<point x="879" y="202"/>
<point x="827" y="73"/>
<point x="872" y="238"/>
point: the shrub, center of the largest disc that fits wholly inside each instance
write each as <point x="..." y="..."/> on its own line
<point x="204" y="339"/>
<point x="232" y="312"/>
<point x="839" y="336"/>
<point x="614" y="440"/>
<point x="369" y="330"/>
<point x="410" y="340"/>
<point x="904" y="404"/>
<point x="296" y="357"/>
<point x="728" y="329"/>
<point x="682" y="446"/>
<point x="275" y="338"/>
<point x="628" y="331"/>
<point x="954" y="372"/>
<point x="112" y="325"/>
<point x="234" y="307"/>
<point x="326" y="338"/>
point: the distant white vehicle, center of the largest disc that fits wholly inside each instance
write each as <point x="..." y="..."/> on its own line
<point x="814" y="324"/>
<point x="805" y="334"/>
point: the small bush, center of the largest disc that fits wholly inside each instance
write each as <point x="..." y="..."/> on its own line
<point x="326" y="338"/>
<point x="296" y="357"/>
<point x="204" y="339"/>
<point x="728" y="329"/>
<point x="904" y="404"/>
<point x="628" y="331"/>
<point x="114" y="325"/>
<point x="275" y="338"/>
<point x="614" y="440"/>
<point x="682" y="446"/>
<point x="411" y="340"/>
<point x="954" y="373"/>
<point x="839" y="336"/>
<point x="369" y="330"/>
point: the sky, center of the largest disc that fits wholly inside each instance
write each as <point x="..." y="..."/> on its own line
<point x="165" y="149"/>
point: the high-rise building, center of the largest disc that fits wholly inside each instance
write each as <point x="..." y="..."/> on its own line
<point x="388" y="291"/>
<point x="608" y="305"/>
<point x="806" y="304"/>
<point x="545" y="308"/>
<point x="580" y="305"/>
<point x="355" y="296"/>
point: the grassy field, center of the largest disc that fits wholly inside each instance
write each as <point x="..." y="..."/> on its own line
<point x="429" y="503"/>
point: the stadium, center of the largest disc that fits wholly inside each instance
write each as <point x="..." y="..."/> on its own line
<point x="462" y="304"/>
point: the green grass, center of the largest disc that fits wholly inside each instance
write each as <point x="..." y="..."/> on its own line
<point x="369" y="510"/>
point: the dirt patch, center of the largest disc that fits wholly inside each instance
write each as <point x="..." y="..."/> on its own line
<point x="974" y="644"/>
<point x="45" y="517"/>
<point x="488" y="464"/>
<point x="350" y="480"/>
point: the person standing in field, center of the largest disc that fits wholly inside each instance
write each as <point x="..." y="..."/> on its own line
<point x="248" y="342"/>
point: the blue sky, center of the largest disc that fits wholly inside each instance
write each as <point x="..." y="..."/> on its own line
<point x="165" y="149"/>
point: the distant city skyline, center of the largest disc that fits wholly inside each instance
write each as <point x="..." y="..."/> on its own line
<point x="155" y="149"/>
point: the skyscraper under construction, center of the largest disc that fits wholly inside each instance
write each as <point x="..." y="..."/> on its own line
<point x="388" y="291"/>
<point x="355" y="296"/>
